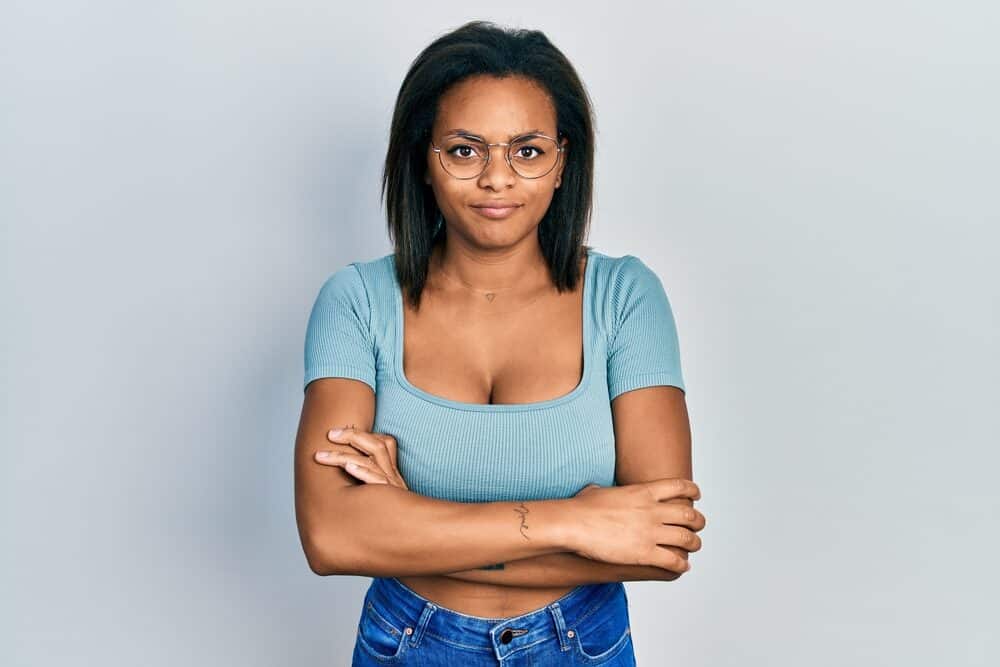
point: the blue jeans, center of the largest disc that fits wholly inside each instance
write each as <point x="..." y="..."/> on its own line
<point x="587" y="626"/>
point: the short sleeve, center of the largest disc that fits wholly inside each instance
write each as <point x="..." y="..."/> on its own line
<point x="339" y="342"/>
<point x="643" y="350"/>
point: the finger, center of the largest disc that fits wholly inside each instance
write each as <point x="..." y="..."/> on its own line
<point x="681" y="515"/>
<point x="669" y="559"/>
<point x="328" y="458"/>
<point x="674" y="487"/>
<point x="342" y="459"/>
<point x="342" y="449"/>
<point x="335" y="458"/>
<point x="353" y="440"/>
<point x="390" y="449"/>
<point x="367" y="443"/>
<point x="365" y="474"/>
<point x="379" y="449"/>
<point x="352" y="462"/>
<point x="678" y="536"/>
<point x="390" y="446"/>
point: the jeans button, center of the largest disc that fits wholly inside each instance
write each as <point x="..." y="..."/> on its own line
<point x="506" y="636"/>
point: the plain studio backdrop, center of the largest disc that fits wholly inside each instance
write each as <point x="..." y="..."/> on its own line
<point x="814" y="183"/>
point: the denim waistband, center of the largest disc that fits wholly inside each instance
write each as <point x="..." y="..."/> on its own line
<point x="500" y="635"/>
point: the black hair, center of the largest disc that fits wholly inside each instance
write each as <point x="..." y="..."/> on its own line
<point x="483" y="48"/>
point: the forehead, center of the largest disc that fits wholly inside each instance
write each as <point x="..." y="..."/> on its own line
<point x="496" y="108"/>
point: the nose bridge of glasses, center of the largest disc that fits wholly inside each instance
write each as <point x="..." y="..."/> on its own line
<point x="487" y="160"/>
<point x="505" y="145"/>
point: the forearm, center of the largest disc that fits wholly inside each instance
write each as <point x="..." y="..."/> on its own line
<point x="380" y="530"/>
<point x="567" y="569"/>
<point x="561" y="569"/>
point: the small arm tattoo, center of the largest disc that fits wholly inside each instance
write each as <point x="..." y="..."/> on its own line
<point x="523" y="510"/>
<point x="497" y="566"/>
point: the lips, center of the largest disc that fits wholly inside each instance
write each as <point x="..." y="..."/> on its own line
<point x="496" y="203"/>
<point x="496" y="210"/>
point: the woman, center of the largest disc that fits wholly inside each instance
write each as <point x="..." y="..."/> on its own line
<point x="515" y="440"/>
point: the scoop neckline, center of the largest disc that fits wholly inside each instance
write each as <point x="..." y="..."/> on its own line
<point x="498" y="407"/>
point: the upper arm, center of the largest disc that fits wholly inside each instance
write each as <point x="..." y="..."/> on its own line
<point x="652" y="435"/>
<point x="328" y="403"/>
<point x="339" y="389"/>
<point x="645" y="382"/>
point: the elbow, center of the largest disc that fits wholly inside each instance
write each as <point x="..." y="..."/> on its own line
<point x="319" y="566"/>
<point x="321" y="555"/>
<point x="329" y="556"/>
<point x="317" y="558"/>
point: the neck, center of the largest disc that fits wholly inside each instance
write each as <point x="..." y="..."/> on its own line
<point x="491" y="270"/>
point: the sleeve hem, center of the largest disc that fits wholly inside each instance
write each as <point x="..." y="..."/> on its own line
<point x="349" y="372"/>
<point x="654" y="379"/>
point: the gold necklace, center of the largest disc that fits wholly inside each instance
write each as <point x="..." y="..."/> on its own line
<point x="489" y="294"/>
<point x="492" y="293"/>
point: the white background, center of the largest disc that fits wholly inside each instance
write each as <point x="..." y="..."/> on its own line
<point x="814" y="183"/>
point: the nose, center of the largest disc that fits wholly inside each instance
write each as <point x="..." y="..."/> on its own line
<point x="498" y="173"/>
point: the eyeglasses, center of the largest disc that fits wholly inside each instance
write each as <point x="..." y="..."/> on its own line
<point x="530" y="156"/>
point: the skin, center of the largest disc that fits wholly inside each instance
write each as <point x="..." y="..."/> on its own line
<point x="495" y="354"/>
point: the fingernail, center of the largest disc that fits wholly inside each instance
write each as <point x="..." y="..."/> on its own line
<point x="335" y="432"/>
<point x="323" y="455"/>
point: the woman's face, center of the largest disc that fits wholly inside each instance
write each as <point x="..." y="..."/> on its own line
<point x="495" y="109"/>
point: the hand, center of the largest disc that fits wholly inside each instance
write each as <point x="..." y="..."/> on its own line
<point x="630" y="525"/>
<point x="373" y="456"/>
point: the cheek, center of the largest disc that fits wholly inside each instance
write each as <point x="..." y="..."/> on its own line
<point x="542" y="197"/>
<point x="450" y="193"/>
<point x="449" y="198"/>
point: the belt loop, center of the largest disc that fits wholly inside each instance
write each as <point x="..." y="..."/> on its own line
<point x="557" y="616"/>
<point x="425" y="617"/>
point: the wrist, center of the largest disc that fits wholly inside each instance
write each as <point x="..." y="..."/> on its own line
<point x="559" y="524"/>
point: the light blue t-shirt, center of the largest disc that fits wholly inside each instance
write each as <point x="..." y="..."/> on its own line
<point x="473" y="452"/>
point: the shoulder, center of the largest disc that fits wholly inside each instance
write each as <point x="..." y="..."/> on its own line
<point x="632" y="272"/>
<point x="354" y="281"/>
<point x="622" y="269"/>
<point x="627" y="279"/>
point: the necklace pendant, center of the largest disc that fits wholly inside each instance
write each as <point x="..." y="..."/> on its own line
<point x="489" y="296"/>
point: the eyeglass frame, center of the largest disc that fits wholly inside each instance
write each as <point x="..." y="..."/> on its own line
<point x="489" y="155"/>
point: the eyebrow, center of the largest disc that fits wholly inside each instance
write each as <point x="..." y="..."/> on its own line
<point x="472" y="135"/>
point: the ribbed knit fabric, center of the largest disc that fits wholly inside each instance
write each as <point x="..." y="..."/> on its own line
<point x="473" y="452"/>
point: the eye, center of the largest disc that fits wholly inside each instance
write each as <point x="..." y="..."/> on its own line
<point x="529" y="148"/>
<point x="464" y="151"/>
<point x="531" y="155"/>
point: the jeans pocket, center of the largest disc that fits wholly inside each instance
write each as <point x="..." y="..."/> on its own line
<point x="603" y="632"/>
<point x="381" y="638"/>
<point x="596" y="648"/>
